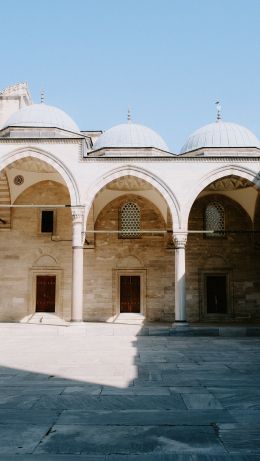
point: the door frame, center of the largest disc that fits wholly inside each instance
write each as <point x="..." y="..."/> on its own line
<point x="203" y="274"/>
<point x="58" y="291"/>
<point x="128" y="272"/>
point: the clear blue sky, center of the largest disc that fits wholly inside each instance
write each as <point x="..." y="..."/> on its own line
<point x="169" y="60"/>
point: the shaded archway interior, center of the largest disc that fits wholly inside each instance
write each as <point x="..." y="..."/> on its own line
<point x="141" y="264"/>
<point x="33" y="188"/>
<point x="223" y="268"/>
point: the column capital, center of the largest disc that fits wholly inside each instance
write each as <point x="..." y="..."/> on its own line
<point x="77" y="214"/>
<point x="78" y="235"/>
<point x="180" y="240"/>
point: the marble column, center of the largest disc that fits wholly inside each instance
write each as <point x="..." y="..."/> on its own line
<point x="77" y="264"/>
<point x="180" y="290"/>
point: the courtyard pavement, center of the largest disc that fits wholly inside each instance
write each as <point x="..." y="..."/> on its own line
<point x="112" y="394"/>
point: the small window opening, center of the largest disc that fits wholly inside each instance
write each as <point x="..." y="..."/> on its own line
<point x="47" y="221"/>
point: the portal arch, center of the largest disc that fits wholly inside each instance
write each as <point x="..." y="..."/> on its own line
<point x="48" y="158"/>
<point x="140" y="173"/>
<point x="219" y="173"/>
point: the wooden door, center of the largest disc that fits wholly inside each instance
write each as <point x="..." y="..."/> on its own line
<point x="45" y="293"/>
<point x="130" y="293"/>
<point x="216" y="292"/>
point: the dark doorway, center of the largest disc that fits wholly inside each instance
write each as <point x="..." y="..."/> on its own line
<point x="130" y="293"/>
<point x="216" y="292"/>
<point x="45" y="293"/>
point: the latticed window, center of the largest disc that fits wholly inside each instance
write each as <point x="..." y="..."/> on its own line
<point x="215" y="219"/>
<point x="130" y="221"/>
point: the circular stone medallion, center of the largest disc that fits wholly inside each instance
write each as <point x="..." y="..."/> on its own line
<point x="18" y="180"/>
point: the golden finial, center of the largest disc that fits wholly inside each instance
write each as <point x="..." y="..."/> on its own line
<point x="42" y="96"/>
<point x="218" y="106"/>
<point x="129" y="118"/>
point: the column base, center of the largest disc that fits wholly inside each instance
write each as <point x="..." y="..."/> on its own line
<point x="76" y="323"/>
<point x="180" y="324"/>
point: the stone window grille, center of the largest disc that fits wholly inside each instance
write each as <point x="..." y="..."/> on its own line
<point x="215" y="219"/>
<point x="130" y="221"/>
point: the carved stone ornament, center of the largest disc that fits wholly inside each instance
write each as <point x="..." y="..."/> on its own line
<point x="179" y="240"/>
<point x="31" y="164"/>
<point x="77" y="214"/>
<point x="18" y="180"/>
<point x="129" y="183"/>
<point x="228" y="184"/>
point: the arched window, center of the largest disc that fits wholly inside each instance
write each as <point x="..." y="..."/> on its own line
<point x="130" y="221"/>
<point x="215" y="219"/>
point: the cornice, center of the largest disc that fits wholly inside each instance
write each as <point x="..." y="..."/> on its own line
<point x="129" y="159"/>
<point x="41" y="140"/>
<point x="226" y="159"/>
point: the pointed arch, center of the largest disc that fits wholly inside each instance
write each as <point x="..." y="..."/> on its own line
<point x="141" y="173"/>
<point x="218" y="173"/>
<point x="48" y="158"/>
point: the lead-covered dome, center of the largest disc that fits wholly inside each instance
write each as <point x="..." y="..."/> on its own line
<point x="43" y="116"/>
<point x="130" y="135"/>
<point x="220" y="134"/>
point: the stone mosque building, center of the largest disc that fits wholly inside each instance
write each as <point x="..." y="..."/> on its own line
<point x="96" y="225"/>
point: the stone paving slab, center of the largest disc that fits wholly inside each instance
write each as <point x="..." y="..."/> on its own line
<point x="201" y="401"/>
<point x="246" y="416"/>
<point x="113" y="397"/>
<point x="240" y="439"/>
<point x="143" y="457"/>
<point x="32" y="417"/>
<point x="113" y="402"/>
<point x="131" y="439"/>
<point x="21" y="438"/>
<point x="55" y="457"/>
<point x="145" y="418"/>
<point x="243" y="399"/>
<point x="108" y="390"/>
<point x="225" y="458"/>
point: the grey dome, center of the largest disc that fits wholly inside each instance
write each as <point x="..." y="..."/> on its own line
<point x="130" y="135"/>
<point x="220" y="134"/>
<point x="42" y="115"/>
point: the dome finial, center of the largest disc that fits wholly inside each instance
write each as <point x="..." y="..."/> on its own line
<point x="42" y="95"/>
<point x="218" y="106"/>
<point x="129" y="115"/>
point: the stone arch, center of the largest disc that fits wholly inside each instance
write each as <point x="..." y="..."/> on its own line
<point x="45" y="260"/>
<point x="141" y="173"/>
<point x="223" y="171"/>
<point x="214" y="261"/>
<point x="48" y="158"/>
<point x="129" y="261"/>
